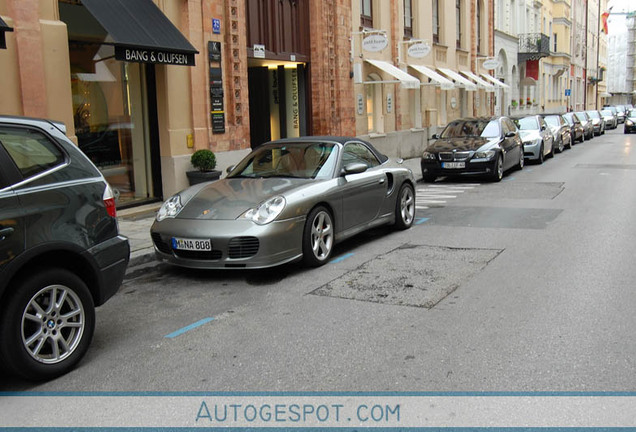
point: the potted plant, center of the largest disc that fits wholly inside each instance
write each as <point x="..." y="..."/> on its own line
<point x="204" y="161"/>
<point x="514" y="103"/>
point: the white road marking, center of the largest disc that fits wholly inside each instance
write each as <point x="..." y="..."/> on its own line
<point x="436" y="194"/>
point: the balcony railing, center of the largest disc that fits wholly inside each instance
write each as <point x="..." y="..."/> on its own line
<point x="533" y="46"/>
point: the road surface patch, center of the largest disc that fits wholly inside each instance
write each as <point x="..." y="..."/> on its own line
<point x="411" y="275"/>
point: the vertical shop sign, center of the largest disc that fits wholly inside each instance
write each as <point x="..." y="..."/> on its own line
<point x="274" y="104"/>
<point x="216" y="87"/>
<point x="293" y="109"/>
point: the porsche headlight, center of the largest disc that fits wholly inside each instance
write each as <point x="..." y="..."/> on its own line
<point x="428" y="156"/>
<point x="266" y="211"/>
<point x="484" y="155"/>
<point x="629" y="123"/>
<point x="170" y="208"/>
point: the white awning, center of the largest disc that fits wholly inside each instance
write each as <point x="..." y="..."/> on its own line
<point x="480" y="82"/>
<point x="495" y="81"/>
<point x="460" y="81"/>
<point x="405" y="80"/>
<point x="605" y="94"/>
<point x="437" y="79"/>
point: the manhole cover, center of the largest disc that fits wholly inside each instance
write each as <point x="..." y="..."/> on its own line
<point x="419" y="276"/>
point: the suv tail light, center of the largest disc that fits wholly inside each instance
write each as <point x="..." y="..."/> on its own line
<point x="109" y="201"/>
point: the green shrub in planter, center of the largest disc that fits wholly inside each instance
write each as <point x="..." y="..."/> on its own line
<point x="203" y="160"/>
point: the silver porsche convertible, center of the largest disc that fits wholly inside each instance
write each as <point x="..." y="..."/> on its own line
<point x="288" y="200"/>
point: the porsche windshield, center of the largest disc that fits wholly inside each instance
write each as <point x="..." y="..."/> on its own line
<point x="299" y="160"/>
<point x="472" y="128"/>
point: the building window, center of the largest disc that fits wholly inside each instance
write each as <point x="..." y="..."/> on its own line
<point x="479" y="4"/>
<point x="366" y="15"/>
<point x="555" y="42"/>
<point x="458" y="22"/>
<point x="408" y="18"/>
<point x="436" y="21"/>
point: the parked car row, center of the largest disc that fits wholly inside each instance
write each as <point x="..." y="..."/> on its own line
<point x="490" y="146"/>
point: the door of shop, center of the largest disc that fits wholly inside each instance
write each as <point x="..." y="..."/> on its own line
<point x="278" y="102"/>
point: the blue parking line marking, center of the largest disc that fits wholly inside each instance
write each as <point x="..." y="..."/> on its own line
<point x="188" y="328"/>
<point x="421" y="221"/>
<point x="340" y="258"/>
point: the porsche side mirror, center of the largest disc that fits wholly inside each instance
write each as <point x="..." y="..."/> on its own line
<point x="355" y="168"/>
<point x="230" y="168"/>
<point x="510" y="135"/>
<point x="435" y="136"/>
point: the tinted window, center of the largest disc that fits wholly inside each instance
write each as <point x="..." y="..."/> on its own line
<point x="472" y="128"/>
<point x="553" y="121"/>
<point x="31" y="151"/>
<point x="527" y="123"/>
<point x="359" y="153"/>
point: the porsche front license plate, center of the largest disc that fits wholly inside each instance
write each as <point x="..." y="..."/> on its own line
<point x="453" y="164"/>
<point x="191" y="244"/>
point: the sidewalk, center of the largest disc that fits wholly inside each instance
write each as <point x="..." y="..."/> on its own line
<point x="135" y="223"/>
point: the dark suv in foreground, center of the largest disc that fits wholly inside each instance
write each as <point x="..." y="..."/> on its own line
<point x="60" y="251"/>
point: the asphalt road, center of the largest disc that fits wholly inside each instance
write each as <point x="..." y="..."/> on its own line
<point x="523" y="285"/>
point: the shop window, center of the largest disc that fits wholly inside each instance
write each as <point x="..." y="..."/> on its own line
<point x="374" y="105"/>
<point x="109" y="106"/>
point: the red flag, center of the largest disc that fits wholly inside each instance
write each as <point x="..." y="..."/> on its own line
<point x="604" y="17"/>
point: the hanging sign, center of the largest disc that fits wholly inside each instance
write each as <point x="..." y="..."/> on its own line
<point x="374" y="43"/>
<point x="419" y="50"/>
<point x="146" y="55"/>
<point x="490" y="64"/>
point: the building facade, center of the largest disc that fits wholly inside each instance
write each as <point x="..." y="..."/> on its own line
<point x="416" y="66"/>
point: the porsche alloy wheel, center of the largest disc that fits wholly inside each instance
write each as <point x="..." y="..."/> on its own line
<point x="318" y="237"/>
<point x="405" y="207"/>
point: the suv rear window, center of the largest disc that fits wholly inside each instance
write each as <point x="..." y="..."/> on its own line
<point x="31" y="151"/>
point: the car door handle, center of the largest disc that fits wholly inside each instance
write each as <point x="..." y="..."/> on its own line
<point x="382" y="180"/>
<point x="5" y="232"/>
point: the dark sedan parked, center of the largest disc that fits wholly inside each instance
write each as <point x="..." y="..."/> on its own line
<point x="586" y="121"/>
<point x="576" y="128"/>
<point x="630" y="121"/>
<point x="561" y="131"/>
<point x="598" y="121"/>
<point x="474" y="146"/>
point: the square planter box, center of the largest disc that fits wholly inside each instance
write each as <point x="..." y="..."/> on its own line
<point x="196" y="177"/>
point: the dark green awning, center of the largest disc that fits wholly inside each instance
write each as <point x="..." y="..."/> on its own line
<point x="3" y="29"/>
<point x="141" y="32"/>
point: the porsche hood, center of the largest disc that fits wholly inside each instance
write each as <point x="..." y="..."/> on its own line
<point x="229" y="198"/>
